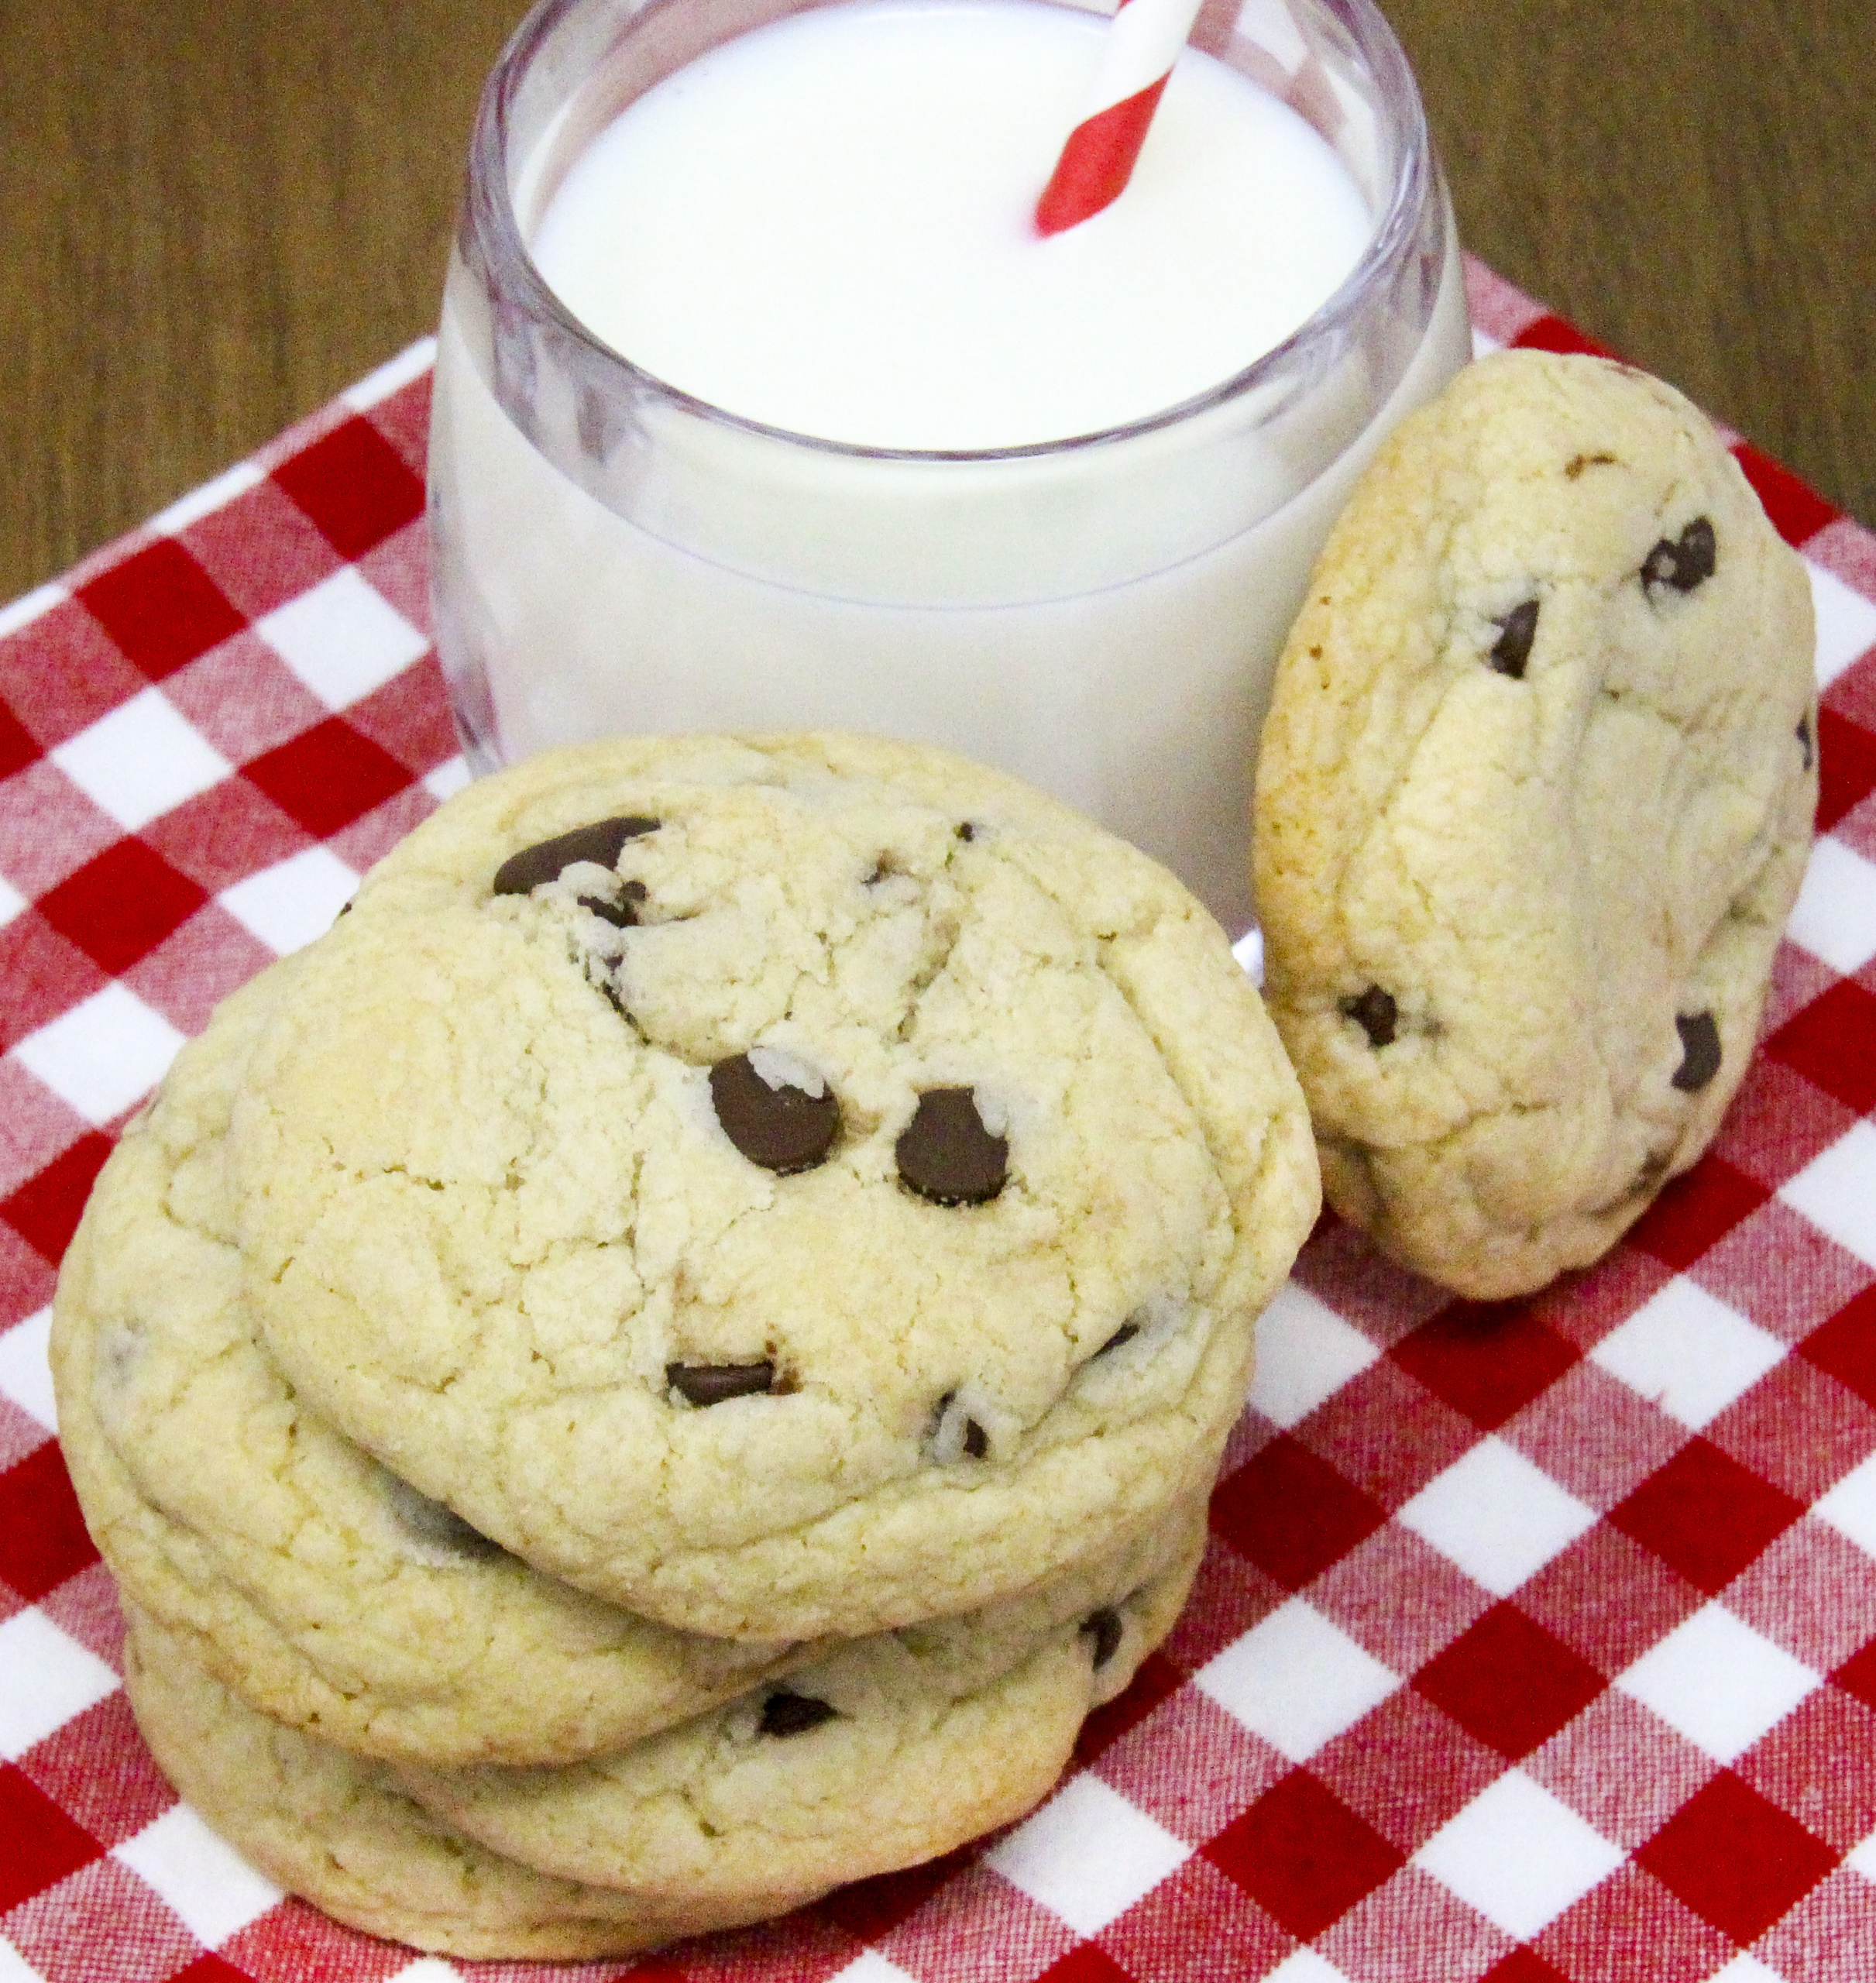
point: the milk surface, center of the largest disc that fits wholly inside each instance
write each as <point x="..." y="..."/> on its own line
<point x="828" y="226"/>
<point x="1101" y="619"/>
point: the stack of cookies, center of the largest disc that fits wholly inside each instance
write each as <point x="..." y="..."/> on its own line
<point x="669" y="1360"/>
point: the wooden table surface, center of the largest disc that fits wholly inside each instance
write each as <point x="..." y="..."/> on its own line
<point x="214" y="214"/>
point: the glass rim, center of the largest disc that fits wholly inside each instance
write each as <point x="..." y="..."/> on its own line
<point x="488" y="211"/>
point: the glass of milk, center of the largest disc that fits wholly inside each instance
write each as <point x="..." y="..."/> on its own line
<point x="760" y="404"/>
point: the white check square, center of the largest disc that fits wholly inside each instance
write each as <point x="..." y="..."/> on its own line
<point x="1306" y="1352"/>
<point x="1846" y="622"/>
<point x="1519" y="1855"/>
<point x="102" y="1055"/>
<point x="12" y="902"/>
<point x="1849" y="1507"/>
<point x="1295" y="1680"/>
<point x="342" y="639"/>
<point x="1688" y="1353"/>
<point x="449" y="778"/>
<point x="1087" y="1855"/>
<point x="1715" y="1680"/>
<point x="214" y="1890"/>
<point x="143" y="760"/>
<point x="26" y="1376"/>
<point x="1834" y="917"/>
<point x="50" y="1679"/>
<point x="1836" y="1191"/>
<point x="1496" y="1516"/>
<point x="288" y="904"/>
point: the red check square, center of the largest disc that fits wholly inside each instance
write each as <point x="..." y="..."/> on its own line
<point x="354" y="486"/>
<point x="1706" y="1515"/>
<point x="45" y="1212"/>
<point x="1292" y="1513"/>
<point x="43" y="1845"/>
<point x="327" y="777"/>
<point x="43" y="1537"/>
<point x="1833" y="1042"/>
<point x="1303" y="1855"/>
<point x="1797" y="512"/>
<point x="1488" y="1359"/>
<point x="1735" y="1858"/>
<point x="1845" y="767"/>
<point x="1845" y="1347"/>
<point x="1508" y="1682"/>
<point x="161" y="608"/>
<point x="1695" y="1212"/>
<point x="120" y="906"/>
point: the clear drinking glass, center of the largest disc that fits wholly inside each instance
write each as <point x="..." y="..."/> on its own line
<point x="1099" y="615"/>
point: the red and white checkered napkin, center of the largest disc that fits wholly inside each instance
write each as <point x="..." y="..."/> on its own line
<point x="1534" y="1642"/>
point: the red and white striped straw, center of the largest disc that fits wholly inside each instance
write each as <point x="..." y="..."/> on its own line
<point x="1142" y="44"/>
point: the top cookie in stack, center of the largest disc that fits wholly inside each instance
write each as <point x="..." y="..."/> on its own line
<point x="709" y="1204"/>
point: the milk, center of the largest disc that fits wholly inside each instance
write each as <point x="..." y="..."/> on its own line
<point x="828" y="226"/>
<point x="633" y="549"/>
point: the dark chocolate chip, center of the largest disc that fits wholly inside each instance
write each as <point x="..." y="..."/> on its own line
<point x="977" y="1441"/>
<point x="522" y="873"/>
<point x="1516" y="631"/>
<point x="1126" y="1333"/>
<point x="1103" y="1626"/>
<point x="784" y="1714"/>
<point x="622" y="914"/>
<point x="1699" y="1051"/>
<point x="712" y="1383"/>
<point x="946" y="1153"/>
<point x="345" y="907"/>
<point x="1376" y="1012"/>
<point x="1804" y="737"/>
<point x="784" y="1130"/>
<point x="1577" y="463"/>
<point x="967" y="831"/>
<point x="1684" y="562"/>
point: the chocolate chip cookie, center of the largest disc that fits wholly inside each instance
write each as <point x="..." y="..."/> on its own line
<point x="787" y="1186"/>
<point x="1533" y="802"/>
<point x="323" y="1589"/>
<point x="883" y="1753"/>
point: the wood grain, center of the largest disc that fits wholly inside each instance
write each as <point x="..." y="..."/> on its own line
<point x="214" y="213"/>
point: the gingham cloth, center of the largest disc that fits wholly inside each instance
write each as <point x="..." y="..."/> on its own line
<point x="1536" y="1642"/>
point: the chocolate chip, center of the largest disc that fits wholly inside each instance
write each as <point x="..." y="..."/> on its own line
<point x="1577" y="463"/>
<point x="1516" y="631"/>
<point x="712" y="1383"/>
<point x="1699" y="1051"/>
<point x="1376" y="1012"/>
<point x="1804" y="737"/>
<point x="948" y="1155"/>
<point x="967" y="832"/>
<point x="784" y="1714"/>
<point x="784" y="1129"/>
<point x="522" y="873"/>
<point x="975" y="1441"/>
<point x="1684" y="562"/>
<point x="622" y="914"/>
<point x="1105" y="1627"/>
<point x="1126" y="1333"/>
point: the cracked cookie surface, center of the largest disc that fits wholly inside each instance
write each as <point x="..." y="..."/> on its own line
<point x="338" y="1829"/>
<point x="1533" y="805"/>
<point x="830" y="1207"/>
<point x="322" y="1589"/>
<point x="883" y="1753"/>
